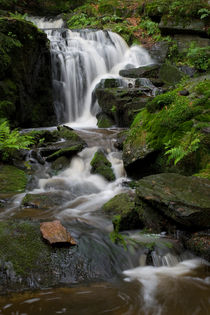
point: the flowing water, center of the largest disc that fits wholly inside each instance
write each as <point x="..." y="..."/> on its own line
<point x="171" y="281"/>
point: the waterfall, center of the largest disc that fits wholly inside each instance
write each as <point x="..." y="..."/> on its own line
<point x="80" y="59"/>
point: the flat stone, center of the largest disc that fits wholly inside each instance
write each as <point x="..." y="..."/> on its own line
<point x="54" y="232"/>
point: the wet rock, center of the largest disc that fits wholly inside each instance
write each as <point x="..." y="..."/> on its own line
<point x="121" y="104"/>
<point x="60" y="163"/>
<point x="68" y="152"/>
<point x="27" y="262"/>
<point x="13" y="180"/>
<point x="183" y="200"/>
<point x="123" y="207"/>
<point x="45" y="200"/>
<point x="104" y="121"/>
<point x="150" y="71"/>
<point x="121" y="136"/>
<point x="54" y="232"/>
<point x="198" y="243"/>
<point x="101" y="165"/>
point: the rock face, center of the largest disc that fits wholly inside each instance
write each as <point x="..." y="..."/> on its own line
<point x="183" y="200"/>
<point x="25" y="79"/>
<point x="55" y="233"/>
<point x="101" y="165"/>
<point x="149" y="71"/>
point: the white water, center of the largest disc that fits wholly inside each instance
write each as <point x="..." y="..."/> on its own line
<point x="80" y="59"/>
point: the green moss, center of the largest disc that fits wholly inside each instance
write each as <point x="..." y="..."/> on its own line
<point x="21" y="244"/>
<point x="12" y="179"/>
<point x="101" y="165"/>
<point x="70" y="151"/>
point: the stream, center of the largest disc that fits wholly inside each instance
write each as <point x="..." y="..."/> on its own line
<point x="162" y="280"/>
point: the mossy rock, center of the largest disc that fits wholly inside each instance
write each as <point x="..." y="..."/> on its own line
<point x="104" y="121"/>
<point x="60" y="163"/>
<point x="68" y="152"/>
<point x="170" y="74"/>
<point x="199" y="244"/>
<point x="123" y="206"/>
<point x="13" y="179"/>
<point x="100" y="165"/>
<point x="45" y="200"/>
<point x="184" y="200"/>
<point x="150" y="71"/>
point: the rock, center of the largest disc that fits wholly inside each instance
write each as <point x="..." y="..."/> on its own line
<point x="55" y="233"/>
<point x="68" y="152"/>
<point x="195" y="27"/>
<point x="159" y="51"/>
<point x="184" y="41"/>
<point x="34" y="264"/>
<point x="121" y="104"/>
<point x="121" y="136"/>
<point x="104" y="121"/>
<point x="123" y="206"/>
<point x="60" y="163"/>
<point x="46" y="200"/>
<point x="187" y="70"/>
<point x="150" y="71"/>
<point x="25" y="79"/>
<point x="198" y="243"/>
<point x="13" y="180"/>
<point x="101" y="165"/>
<point x="183" y="200"/>
<point x="170" y="74"/>
<point x="184" y="93"/>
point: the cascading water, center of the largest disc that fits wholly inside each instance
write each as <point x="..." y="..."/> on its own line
<point x="80" y="59"/>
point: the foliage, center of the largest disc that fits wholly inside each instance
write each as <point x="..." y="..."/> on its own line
<point x="150" y="26"/>
<point x="204" y="13"/>
<point x="199" y="57"/>
<point x="12" y="140"/>
<point x="18" y="16"/>
<point x="81" y="21"/>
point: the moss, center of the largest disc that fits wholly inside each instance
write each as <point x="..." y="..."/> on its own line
<point x="69" y="152"/>
<point x="21" y="244"/>
<point x="12" y="179"/>
<point x="101" y="165"/>
<point x="104" y="121"/>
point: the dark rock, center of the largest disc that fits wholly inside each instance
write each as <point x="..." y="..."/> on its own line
<point x="121" y="136"/>
<point x="184" y="93"/>
<point x="104" y="121"/>
<point x="123" y="206"/>
<point x="187" y="70"/>
<point x="55" y="233"/>
<point x="27" y="262"/>
<point x="67" y="152"/>
<point x="150" y="71"/>
<point x="159" y="51"/>
<point x="198" y="243"/>
<point x="60" y="163"/>
<point x="184" y="200"/>
<point x="195" y="27"/>
<point x="25" y="79"/>
<point x="170" y="74"/>
<point x="121" y="104"/>
<point x="101" y="165"/>
<point x="45" y="200"/>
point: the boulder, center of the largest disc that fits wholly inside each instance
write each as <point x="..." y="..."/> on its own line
<point x="149" y="71"/>
<point x="185" y="201"/>
<point x="159" y="51"/>
<point x="67" y="152"/>
<point x="123" y="206"/>
<point x="55" y="233"/>
<point x="101" y="165"/>
<point x="104" y="121"/>
<point x="45" y="201"/>
<point x="121" y="104"/>
<point x="170" y="74"/>
<point x="25" y="78"/>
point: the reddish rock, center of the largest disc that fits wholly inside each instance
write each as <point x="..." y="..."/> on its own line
<point x="55" y="232"/>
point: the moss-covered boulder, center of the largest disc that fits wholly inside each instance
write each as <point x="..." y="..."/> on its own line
<point x="198" y="243"/>
<point x="101" y="165"/>
<point x="13" y="180"/>
<point x="68" y="152"/>
<point x="184" y="200"/>
<point x="149" y="71"/>
<point x="123" y="207"/>
<point x="170" y="74"/>
<point x="25" y="79"/>
<point x="104" y="121"/>
<point x="45" y="200"/>
<point x="121" y="104"/>
<point x="27" y="261"/>
<point x="60" y="163"/>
